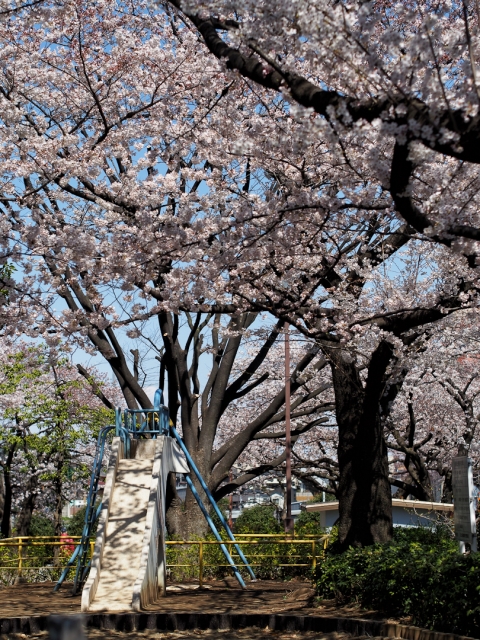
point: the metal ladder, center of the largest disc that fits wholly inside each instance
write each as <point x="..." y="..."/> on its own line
<point x="193" y="467"/>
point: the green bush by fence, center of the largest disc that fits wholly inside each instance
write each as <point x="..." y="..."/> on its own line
<point x="266" y="557"/>
<point x="271" y="559"/>
<point x="258" y="519"/>
<point x="419" y="574"/>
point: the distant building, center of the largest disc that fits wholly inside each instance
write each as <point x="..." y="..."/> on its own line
<point x="72" y="507"/>
<point x="406" y="513"/>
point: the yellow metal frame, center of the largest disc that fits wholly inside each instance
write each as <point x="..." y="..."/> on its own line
<point x="23" y="543"/>
<point x="314" y="541"/>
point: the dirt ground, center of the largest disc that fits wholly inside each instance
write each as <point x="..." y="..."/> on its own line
<point x="220" y="596"/>
<point x="197" y="634"/>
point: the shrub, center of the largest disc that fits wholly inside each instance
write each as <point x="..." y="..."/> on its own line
<point x="76" y="523"/>
<point x="419" y="574"/>
<point x="267" y="556"/>
<point x="41" y="526"/>
<point x="258" y="519"/>
<point x="308" y="523"/>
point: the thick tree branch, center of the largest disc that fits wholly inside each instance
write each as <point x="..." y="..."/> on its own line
<point x="430" y="122"/>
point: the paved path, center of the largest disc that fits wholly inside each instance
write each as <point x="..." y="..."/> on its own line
<point x="291" y="600"/>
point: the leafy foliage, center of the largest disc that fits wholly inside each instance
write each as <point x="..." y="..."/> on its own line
<point x="49" y="418"/>
<point x="41" y="526"/>
<point x="308" y="522"/>
<point x="76" y="522"/>
<point x="419" y="574"/>
<point x="270" y="558"/>
<point x="258" y="519"/>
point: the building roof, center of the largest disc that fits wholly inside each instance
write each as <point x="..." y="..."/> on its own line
<point x="406" y="504"/>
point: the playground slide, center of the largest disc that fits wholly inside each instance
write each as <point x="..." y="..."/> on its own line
<point x="125" y="529"/>
<point x="128" y="565"/>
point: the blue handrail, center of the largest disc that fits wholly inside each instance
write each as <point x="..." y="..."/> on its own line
<point x="211" y="499"/>
<point x="214" y="529"/>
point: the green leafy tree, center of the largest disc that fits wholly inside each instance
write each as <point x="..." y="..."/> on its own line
<point x="76" y="522"/>
<point x="41" y="526"/>
<point x="308" y="523"/>
<point x="49" y="419"/>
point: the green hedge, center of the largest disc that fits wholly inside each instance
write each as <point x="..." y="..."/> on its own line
<point x="266" y="557"/>
<point x="420" y="574"/>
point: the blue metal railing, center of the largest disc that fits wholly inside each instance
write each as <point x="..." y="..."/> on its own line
<point x="92" y="511"/>
<point x="211" y="499"/>
<point x="138" y="423"/>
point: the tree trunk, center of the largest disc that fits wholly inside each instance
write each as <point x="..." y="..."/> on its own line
<point x="447" y="493"/>
<point x="57" y="514"/>
<point x="184" y="519"/>
<point x="5" y="528"/>
<point x="2" y="495"/>
<point x="365" y="503"/>
<point x="22" y="525"/>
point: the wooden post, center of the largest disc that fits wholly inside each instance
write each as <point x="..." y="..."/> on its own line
<point x="20" y="557"/>
<point x="67" y="627"/>
<point x="230" y="519"/>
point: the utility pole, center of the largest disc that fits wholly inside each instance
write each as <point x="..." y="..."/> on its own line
<point x="230" y="519"/>
<point x="288" y="437"/>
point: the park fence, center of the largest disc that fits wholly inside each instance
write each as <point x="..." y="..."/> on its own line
<point x="272" y="556"/>
<point x="35" y="559"/>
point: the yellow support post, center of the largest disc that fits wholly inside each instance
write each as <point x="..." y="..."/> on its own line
<point x="314" y="557"/>
<point x="20" y="558"/>
<point x="200" y="564"/>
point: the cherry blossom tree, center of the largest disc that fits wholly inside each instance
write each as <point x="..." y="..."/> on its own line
<point x="400" y="75"/>
<point x="233" y="413"/>
<point x="142" y="179"/>
<point x="437" y="410"/>
<point x="312" y="409"/>
<point x="113" y="220"/>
